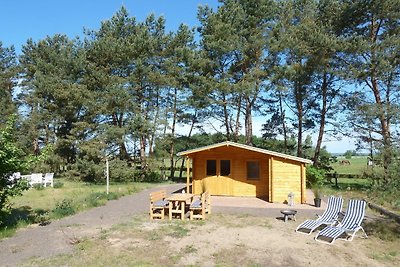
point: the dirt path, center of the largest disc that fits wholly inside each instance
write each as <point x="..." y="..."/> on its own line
<point x="59" y="236"/>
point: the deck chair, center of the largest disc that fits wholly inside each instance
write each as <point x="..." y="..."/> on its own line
<point x="48" y="179"/>
<point x="198" y="207"/>
<point x="158" y="204"/>
<point x="36" y="178"/>
<point x="348" y="227"/>
<point x="329" y="217"/>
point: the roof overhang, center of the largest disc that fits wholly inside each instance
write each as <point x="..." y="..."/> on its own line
<point x="250" y="148"/>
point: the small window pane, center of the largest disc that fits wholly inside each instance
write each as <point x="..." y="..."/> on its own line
<point x="211" y="167"/>
<point x="225" y="167"/>
<point x="253" y="170"/>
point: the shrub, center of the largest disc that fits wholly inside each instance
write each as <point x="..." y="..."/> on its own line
<point x="120" y="171"/>
<point x="152" y="176"/>
<point x="99" y="198"/>
<point x="58" y="184"/>
<point x="39" y="216"/>
<point x="10" y="161"/>
<point x="63" y="208"/>
<point x="315" y="176"/>
<point x="89" y="170"/>
<point x="38" y="186"/>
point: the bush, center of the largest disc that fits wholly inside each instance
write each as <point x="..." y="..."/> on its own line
<point x="120" y="171"/>
<point x="153" y="176"/>
<point x="38" y="186"/>
<point x="63" y="208"/>
<point x="89" y="171"/>
<point x="10" y="161"/>
<point x="58" y="184"/>
<point x="99" y="198"/>
<point x="315" y="177"/>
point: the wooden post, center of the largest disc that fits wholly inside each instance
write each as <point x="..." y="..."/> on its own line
<point x="272" y="179"/>
<point x="335" y="175"/>
<point x="303" y="184"/>
<point x="188" y="174"/>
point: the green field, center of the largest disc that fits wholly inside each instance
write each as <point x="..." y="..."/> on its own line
<point x="357" y="166"/>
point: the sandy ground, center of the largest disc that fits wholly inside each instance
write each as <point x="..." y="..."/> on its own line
<point x="239" y="234"/>
<point x="254" y="241"/>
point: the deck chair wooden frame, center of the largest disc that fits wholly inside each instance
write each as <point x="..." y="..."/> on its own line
<point x="328" y="218"/>
<point x="158" y="204"/>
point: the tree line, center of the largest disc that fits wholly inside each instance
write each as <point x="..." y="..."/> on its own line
<point x="329" y="67"/>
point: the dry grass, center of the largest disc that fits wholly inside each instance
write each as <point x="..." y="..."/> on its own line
<point x="222" y="240"/>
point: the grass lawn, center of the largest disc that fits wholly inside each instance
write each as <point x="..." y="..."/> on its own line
<point x="38" y="205"/>
<point x="357" y="165"/>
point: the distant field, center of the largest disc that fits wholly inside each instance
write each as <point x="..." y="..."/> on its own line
<point x="357" y="165"/>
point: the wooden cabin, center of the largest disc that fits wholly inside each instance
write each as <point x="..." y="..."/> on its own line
<point x="232" y="169"/>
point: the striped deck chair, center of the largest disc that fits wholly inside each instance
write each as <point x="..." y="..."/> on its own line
<point x="349" y="226"/>
<point x="329" y="217"/>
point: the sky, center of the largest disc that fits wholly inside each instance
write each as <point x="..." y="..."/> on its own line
<point x="36" y="19"/>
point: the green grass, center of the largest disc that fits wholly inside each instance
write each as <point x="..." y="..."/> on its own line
<point x="81" y="193"/>
<point x="45" y="204"/>
<point x="357" y="165"/>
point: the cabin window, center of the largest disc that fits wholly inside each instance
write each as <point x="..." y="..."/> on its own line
<point x="253" y="170"/>
<point x="225" y="167"/>
<point x="211" y="167"/>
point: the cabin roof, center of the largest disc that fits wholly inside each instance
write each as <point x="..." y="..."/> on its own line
<point x="251" y="148"/>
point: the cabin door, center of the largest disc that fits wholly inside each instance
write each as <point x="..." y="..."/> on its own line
<point x="218" y="181"/>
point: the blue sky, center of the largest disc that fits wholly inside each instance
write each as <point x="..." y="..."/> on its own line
<point x="23" y="19"/>
<point x="36" y="19"/>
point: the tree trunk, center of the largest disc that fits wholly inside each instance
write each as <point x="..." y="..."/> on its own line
<point x="172" y="145"/>
<point x="189" y="135"/>
<point x="143" y="163"/>
<point x="237" y="123"/>
<point x="324" y="89"/>
<point x="226" y="117"/>
<point x="282" y="112"/>
<point x="383" y="114"/>
<point x="248" y="122"/>
<point x="299" y="107"/>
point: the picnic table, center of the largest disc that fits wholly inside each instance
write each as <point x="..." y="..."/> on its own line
<point x="177" y="203"/>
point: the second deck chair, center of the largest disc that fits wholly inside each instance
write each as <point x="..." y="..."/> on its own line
<point x="329" y="217"/>
<point x="348" y="227"/>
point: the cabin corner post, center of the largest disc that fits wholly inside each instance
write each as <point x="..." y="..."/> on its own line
<point x="271" y="179"/>
<point x="303" y="184"/>
<point x="188" y="174"/>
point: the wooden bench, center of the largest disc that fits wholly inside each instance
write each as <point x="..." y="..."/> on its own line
<point x="199" y="207"/>
<point x="158" y="204"/>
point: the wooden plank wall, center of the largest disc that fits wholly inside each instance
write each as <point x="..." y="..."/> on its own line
<point x="286" y="175"/>
<point x="236" y="184"/>
<point x="286" y="178"/>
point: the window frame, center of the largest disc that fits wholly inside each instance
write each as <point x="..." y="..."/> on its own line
<point x="216" y="167"/>
<point x="220" y="167"/>
<point x="250" y="177"/>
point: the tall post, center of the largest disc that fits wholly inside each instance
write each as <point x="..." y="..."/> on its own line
<point x="107" y="176"/>
<point x="188" y="174"/>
